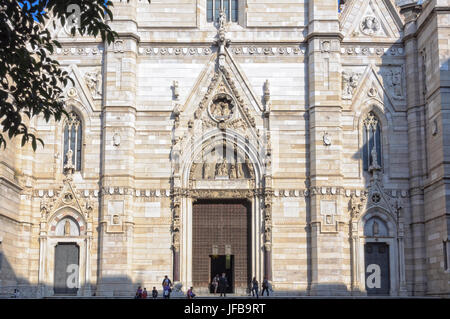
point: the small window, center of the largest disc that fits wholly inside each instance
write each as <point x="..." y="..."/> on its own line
<point x="73" y="140"/>
<point x="229" y="6"/>
<point x="372" y="140"/>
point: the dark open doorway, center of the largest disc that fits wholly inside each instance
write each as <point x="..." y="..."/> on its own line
<point x="223" y="264"/>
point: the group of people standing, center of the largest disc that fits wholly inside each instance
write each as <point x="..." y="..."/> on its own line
<point x="143" y="294"/>
<point x="167" y="289"/>
<point x="220" y="284"/>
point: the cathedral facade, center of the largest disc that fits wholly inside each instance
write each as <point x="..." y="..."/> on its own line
<point x="303" y="141"/>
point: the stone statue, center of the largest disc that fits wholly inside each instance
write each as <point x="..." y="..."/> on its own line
<point x="240" y="170"/>
<point x="176" y="92"/>
<point x="249" y="167"/>
<point x="69" y="167"/>
<point x="222" y="41"/>
<point x="267" y="233"/>
<point x="375" y="228"/>
<point x="396" y="81"/>
<point x="233" y="171"/>
<point x="116" y="219"/>
<point x="349" y="84"/>
<point x="206" y="170"/>
<point x="222" y="168"/>
<point x="374" y="156"/>
<point x="67" y="228"/>
<point x="221" y="110"/>
<point x="93" y="81"/>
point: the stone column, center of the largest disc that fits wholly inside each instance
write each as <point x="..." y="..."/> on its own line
<point x="42" y="263"/>
<point x="118" y="155"/>
<point x="268" y="235"/>
<point x="416" y="141"/>
<point x="327" y="245"/>
<point x="176" y="229"/>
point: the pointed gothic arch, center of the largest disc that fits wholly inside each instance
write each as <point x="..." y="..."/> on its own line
<point x="364" y="237"/>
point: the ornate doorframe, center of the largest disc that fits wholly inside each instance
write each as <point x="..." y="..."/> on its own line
<point x="253" y="189"/>
<point x="66" y="204"/>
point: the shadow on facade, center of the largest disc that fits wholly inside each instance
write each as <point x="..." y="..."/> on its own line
<point x="124" y="287"/>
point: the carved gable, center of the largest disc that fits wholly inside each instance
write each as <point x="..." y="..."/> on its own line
<point x="372" y="19"/>
<point x="67" y="196"/>
<point x="385" y="85"/>
<point x="86" y="87"/>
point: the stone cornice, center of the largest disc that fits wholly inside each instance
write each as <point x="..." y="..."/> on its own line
<point x="4" y="180"/>
<point x="322" y="35"/>
<point x="233" y="193"/>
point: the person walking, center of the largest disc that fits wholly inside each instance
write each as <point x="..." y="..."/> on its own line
<point x="138" y="293"/>
<point x="167" y="287"/>
<point x="223" y="285"/>
<point x="190" y="293"/>
<point x="265" y="287"/>
<point x="144" y="293"/>
<point x="254" y="286"/>
<point x="154" y="293"/>
<point x="215" y="283"/>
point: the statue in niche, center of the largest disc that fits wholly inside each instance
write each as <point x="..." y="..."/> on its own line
<point x="240" y="170"/>
<point x="206" y="170"/>
<point x="249" y="167"/>
<point x="233" y="170"/>
<point x="116" y="219"/>
<point x="395" y="82"/>
<point x="375" y="228"/>
<point x="67" y="228"/>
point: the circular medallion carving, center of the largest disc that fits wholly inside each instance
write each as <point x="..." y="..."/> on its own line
<point x="222" y="108"/>
<point x="68" y="198"/>
<point x="370" y="25"/>
<point x="376" y="198"/>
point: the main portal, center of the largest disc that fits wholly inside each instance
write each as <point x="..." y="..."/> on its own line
<point x="221" y="243"/>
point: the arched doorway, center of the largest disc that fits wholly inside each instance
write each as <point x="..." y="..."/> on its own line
<point x="378" y="248"/>
<point x="67" y="258"/>
<point x="64" y="258"/>
<point x="376" y="258"/>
